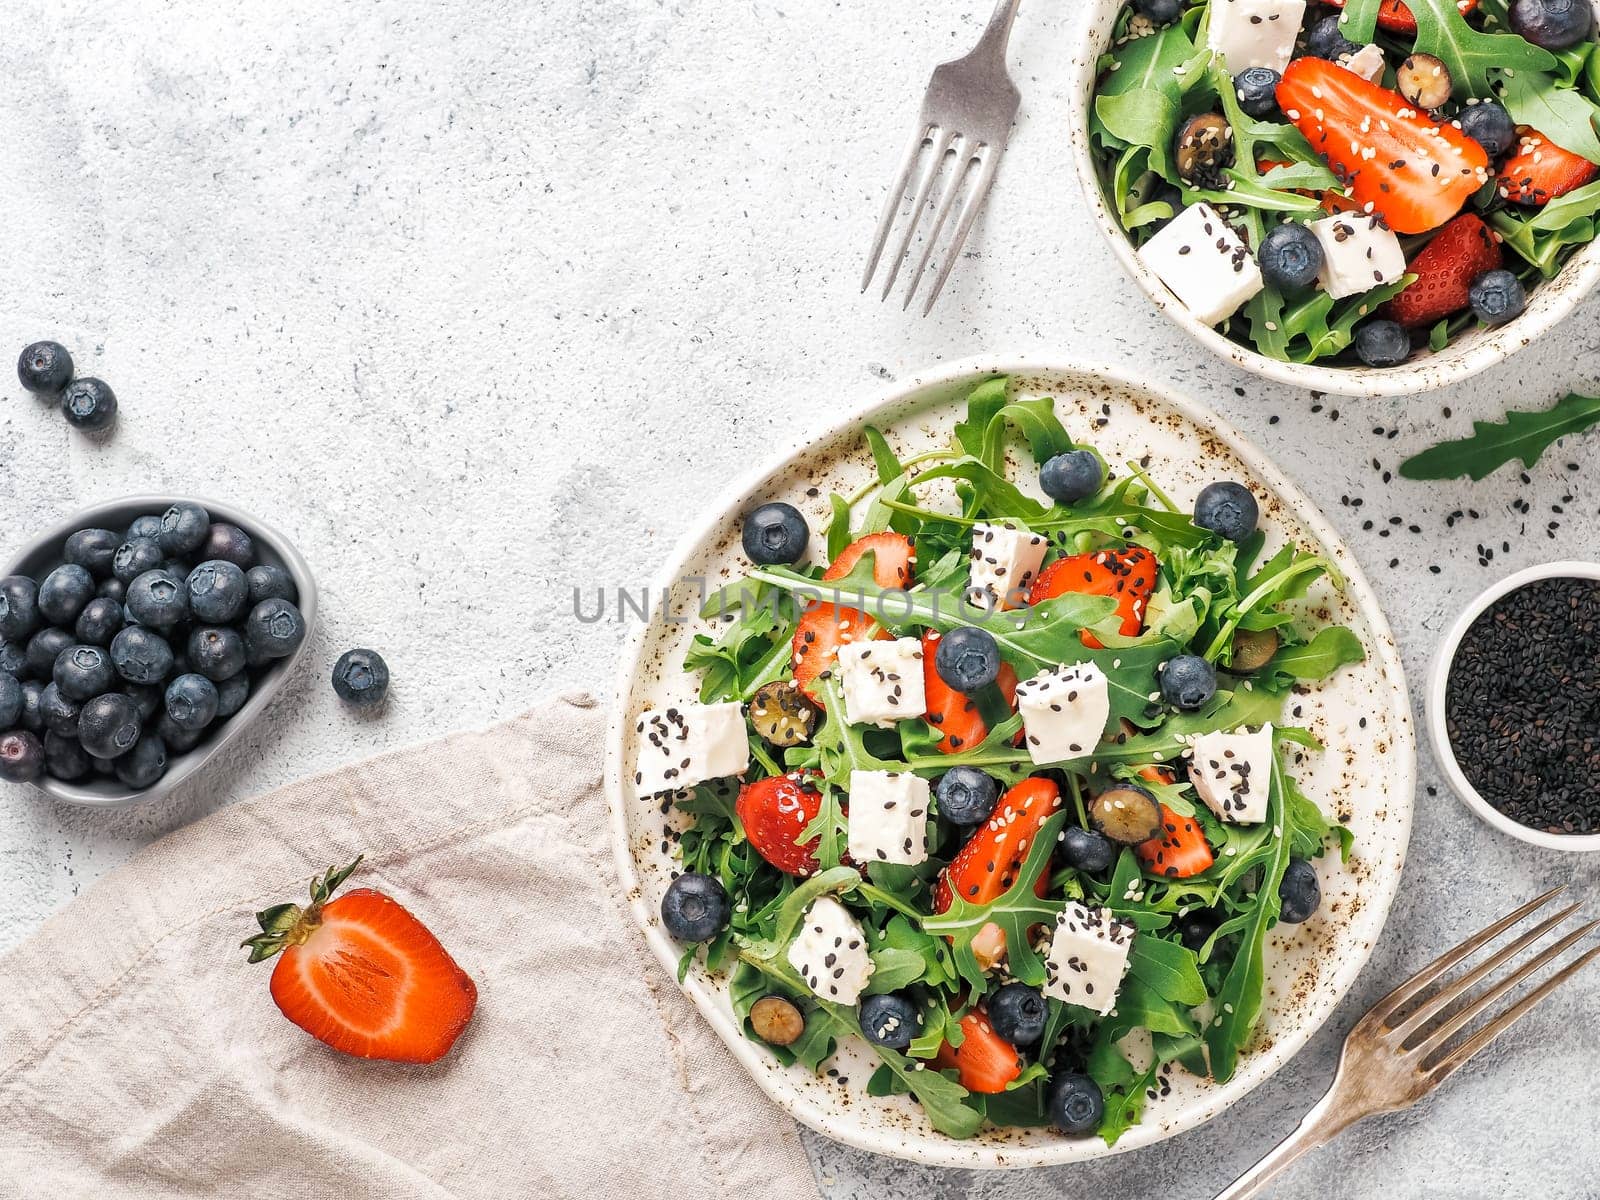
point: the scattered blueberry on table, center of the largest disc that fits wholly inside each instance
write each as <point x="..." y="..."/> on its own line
<point x="361" y="678"/>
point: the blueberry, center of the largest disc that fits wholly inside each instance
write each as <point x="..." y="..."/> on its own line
<point x="158" y="599"/>
<point x="775" y="533"/>
<point x="147" y="526"/>
<point x="361" y="678"/>
<point x="967" y="659"/>
<point x="102" y="766"/>
<point x="31" y="719"/>
<point x="14" y="659"/>
<point x="217" y="592"/>
<point x="10" y="702"/>
<point x="1290" y="257"/>
<point x="1017" y="1013"/>
<point x="65" y="758"/>
<point x="1381" y="343"/>
<point x="1071" y="477"/>
<point x="177" y="740"/>
<point x="44" y="368"/>
<point x="1488" y="124"/>
<point x="144" y="764"/>
<point x="275" y="629"/>
<point x="99" y="622"/>
<point x="113" y="589"/>
<point x="228" y="543"/>
<point x="109" y="725"/>
<point x="89" y="404"/>
<point x="134" y="557"/>
<point x="890" y="1020"/>
<point x="19" y="608"/>
<point x="1087" y="850"/>
<point x="1325" y="40"/>
<point x="967" y="796"/>
<point x="1257" y="91"/>
<point x="1075" y="1103"/>
<point x="1496" y="296"/>
<point x="64" y="592"/>
<point x="271" y="582"/>
<point x="1227" y="509"/>
<point x="695" y="908"/>
<point x="60" y="715"/>
<point x="1299" y="894"/>
<point x="1553" y="24"/>
<point x="83" y="671"/>
<point x="21" y="757"/>
<point x="184" y="528"/>
<point x="1159" y="12"/>
<point x="231" y="695"/>
<point x="1188" y="682"/>
<point x="146" y="698"/>
<point x="191" y="701"/>
<point x="44" y="648"/>
<point x="1196" y="926"/>
<point x="93" y="550"/>
<point x="217" y="654"/>
<point x="141" y="655"/>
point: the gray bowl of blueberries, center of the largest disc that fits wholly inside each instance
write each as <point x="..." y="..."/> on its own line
<point x="137" y="639"/>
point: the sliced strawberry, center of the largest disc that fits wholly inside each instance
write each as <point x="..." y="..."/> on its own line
<point x="892" y="559"/>
<point x="774" y="812"/>
<point x="1180" y="851"/>
<point x="1415" y="173"/>
<point x="363" y="975"/>
<point x="1128" y="574"/>
<point x="955" y="714"/>
<point x="984" y="1062"/>
<point x="1445" y="268"/>
<point x="1540" y="170"/>
<point x="1395" y="17"/>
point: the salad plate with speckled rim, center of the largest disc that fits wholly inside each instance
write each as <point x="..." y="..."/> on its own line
<point x="1364" y="776"/>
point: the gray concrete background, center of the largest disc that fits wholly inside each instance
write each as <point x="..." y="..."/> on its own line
<point x="482" y="301"/>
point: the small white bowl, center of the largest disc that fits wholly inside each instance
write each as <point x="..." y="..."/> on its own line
<point x="1439" y="680"/>
<point x="1471" y="351"/>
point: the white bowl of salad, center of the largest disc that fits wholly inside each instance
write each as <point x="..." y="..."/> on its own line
<point x="1374" y="198"/>
<point x="1016" y="774"/>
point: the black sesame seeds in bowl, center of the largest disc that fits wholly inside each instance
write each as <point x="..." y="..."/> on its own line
<point x="1513" y="705"/>
<point x="191" y="684"/>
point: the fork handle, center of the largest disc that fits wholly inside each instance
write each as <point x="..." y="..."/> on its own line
<point x="998" y="32"/>
<point x="1326" y="1119"/>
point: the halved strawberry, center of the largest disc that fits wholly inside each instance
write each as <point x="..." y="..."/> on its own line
<point x="985" y="1062"/>
<point x="955" y="714"/>
<point x="1127" y="573"/>
<point x="1395" y="17"/>
<point x="892" y="559"/>
<point x="1540" y="170"/>
<point x="1445" y="268"/>
<point x="361" y="974"/>
<point x="774" y="812"/>
<point x="1415" y="173"/>
<point x="1180" y="851"/>
<point x="825" y="626"/>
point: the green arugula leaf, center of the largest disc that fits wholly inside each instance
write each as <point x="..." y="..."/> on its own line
<point x="1168" y="969"/>
<point x="1035" y="419"/>
<point x="1148" y="64"/>
<point x="1562" y="114"/>
<point x="1333" y="647"/>
<point x="1467" y="53"/>
<point x="838" y="534"/>
<point x="983" y="402"/>
<point x="1543" y="237"/>
<point x="1522" y="435"/>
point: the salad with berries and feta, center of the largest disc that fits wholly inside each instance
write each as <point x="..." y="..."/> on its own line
<point x="1001" y="783"/>
<point x="1359" y="181"/>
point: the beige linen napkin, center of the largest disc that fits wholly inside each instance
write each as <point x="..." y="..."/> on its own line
<point x="141" y="1056"/>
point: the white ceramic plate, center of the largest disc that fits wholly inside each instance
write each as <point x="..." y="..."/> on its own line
<point x="1365" y="776"/>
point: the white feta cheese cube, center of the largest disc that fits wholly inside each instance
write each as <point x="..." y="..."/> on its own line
<point x="1254" y="33"/>
<point x="1088" y="956"/>
<point x="882" y="681"/>
<point x="830" y="952"/>
<point x="1204" y="262"/>
<point x="1359" y="252"/>
<point x="888" y="817"/>
<point x="1232" y="772"/>
<point x="1366" y="62"/>
<point x="1005" y="561"/>
<point x="682" y="746"/>
<point x="1064" y="711"/>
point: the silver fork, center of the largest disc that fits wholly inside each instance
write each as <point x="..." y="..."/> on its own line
<point x="1404" y="1047"/>
<point x="966" y="120"/>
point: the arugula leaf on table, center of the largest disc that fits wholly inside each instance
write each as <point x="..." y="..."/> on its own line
<point x="1522" y="435"/>
<point x="1562" y="114"/>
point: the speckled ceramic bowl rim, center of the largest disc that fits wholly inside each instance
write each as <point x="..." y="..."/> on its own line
<point x="1439" y="682"/>
<point x="117" y="514"/>
<point x="1550" y="302"/>
<point x="1257" y="1067"/>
